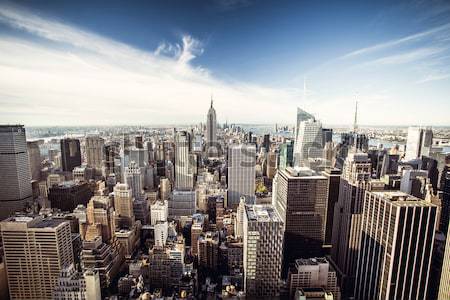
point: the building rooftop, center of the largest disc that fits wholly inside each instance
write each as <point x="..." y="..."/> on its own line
<point x="301" y="173"/>
<point x="262" y="213"/>
<point x="311" y="261"/>
<point x="402" y="199"/>
<point x="34" y="221"/>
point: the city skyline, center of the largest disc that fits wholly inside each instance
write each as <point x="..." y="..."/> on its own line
<point x="253" y="57"/>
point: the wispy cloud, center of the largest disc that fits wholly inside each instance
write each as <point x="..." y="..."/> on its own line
<point x="185" y="52"/>
<point x="397" y="42"/>
<point x="406" y="57"/>
<point x="80" y="75"/>
<point x="433" y="77"/>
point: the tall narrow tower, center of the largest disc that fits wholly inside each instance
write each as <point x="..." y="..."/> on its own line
<point x="355" y="121"/>
<point x="211" y="131"/>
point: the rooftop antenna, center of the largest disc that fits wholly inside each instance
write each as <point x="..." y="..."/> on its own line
<point x="211" y="100"/>
<point x="355" y="121"/>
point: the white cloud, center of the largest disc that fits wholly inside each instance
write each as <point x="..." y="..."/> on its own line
<point x="63" y="75"/>
<point x="84" y="78"/>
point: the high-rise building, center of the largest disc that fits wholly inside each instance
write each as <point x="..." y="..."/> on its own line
<point x="93" y="288"/>
<point x="208" y="250"/>
<point x="106" y="259"/>
<point x="286" y="155"/>
<point x="397" y="236"/>
<point x="74" y="285"/>
<point x="211" y="132"/>
<point x="271" y="164"/>
<point x="112" y="154"/>
<point x="184" y="178"/>
<point x="95" y="151"/>
<point x="334" y="178"/>
<point x="133" y="178"/>
<point x="445" y="207"/>
<point x="308" y="143"/>
<point x="419" y="142"/>
<point x="99" y="215"/>
<point x="239" y="224"/>
<point x="444" y="285"/>
<point x="161" y="229"/>
<point x="139" y="156"/>
<point x="198" y="225"/>
<point x="35" y="159"/>
<point x="301" y="200"/>
<point x="408" y="179"/>
<point x="67" y="195"/>
<point x="36" y="249"/>
<point x="159" y="211"/>
<point x="15" y="176"/>
<point x="70" y="154"/>
<point x="165" y="267"/>
<point x="390" y="164"/>
<point x="123" y="205"/>
<point x="164" y="188"/>
<point x="327" y="136"/>
<point x="347" y="217"/>
<point x="263" y="247"/>
<point x="313" y="273"/>
<point x="241" y="173"/>
<point x="301" y="116"/>
<point x="182" y="203"/>
<point x="266" y="142"/>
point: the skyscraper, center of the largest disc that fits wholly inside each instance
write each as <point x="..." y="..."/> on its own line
<point x="308" y="143"/>
<point x="266" y="142"/>
<point x="184" y="179"/>
<point x="396" y="244"/>
<point x="241" y="173"/>
<point x="334" y="178"/>
<point x="301" y="200"/>
<point x="15" y="176"/>
<point x="444" y="285"/>
<point x="286" y="155"/>
<point x="95" y="151"/>
<point x="445" y="188"/>
<point x="211" y="132"/>
<point x="34" y="156"/>
<point x="133" y="178"/>
<point x="67" y="195"/>
<point x="347" y="216"/>
<point x="36" y="249"/>
<point x="182" y="203"/>
<point x="70" y="154"/>
<point x="301" y="116"/>
<point x="419" y="142"/>
<point x="123" y="205"/>
<point x="263" y="245"/>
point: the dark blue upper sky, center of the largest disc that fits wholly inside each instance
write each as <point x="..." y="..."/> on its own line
<point x="393" y="54"/>
<point x="263" y="41"/>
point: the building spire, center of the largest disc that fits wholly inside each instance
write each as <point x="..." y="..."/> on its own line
<point x="355" y="121"/>
<point x="211" y="101"/>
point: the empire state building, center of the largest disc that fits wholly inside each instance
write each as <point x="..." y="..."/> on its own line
<point x="211" y="132"/>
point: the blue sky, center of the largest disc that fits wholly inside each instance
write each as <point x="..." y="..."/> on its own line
<point x="158" y="62"/>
